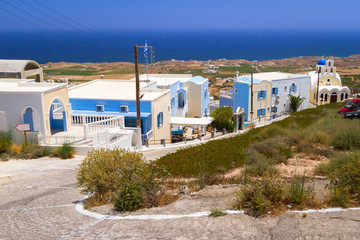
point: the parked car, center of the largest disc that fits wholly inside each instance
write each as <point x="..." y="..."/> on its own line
<point x="351" y="106"/>
<point x="352" y="115"/>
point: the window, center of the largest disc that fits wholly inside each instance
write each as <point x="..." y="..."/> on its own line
<point x="173" y="102"/>
<point x="325" y="97"/>
<point x="285" y="88"/>
<point x="100" y="108"/>
<point x="274" y="91"/>
<point x="261" y="112"/>
<point x="206" y="93"/>
<point x="130" y="123"/>
<point x="262" y="94"/>
<point x="346" y="95"/>
<point x="292" y="88"/>
<point x="124" y="109"/>
<point x="274" y="109"/>
<point x="160" y="119"/>
<point x="328" y="80"/>
<point x="236" y="91"/>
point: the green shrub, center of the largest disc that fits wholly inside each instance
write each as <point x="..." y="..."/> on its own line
<point x="32" y="151"/>
<point x="336" y="163"/>
<point x="65" y="151"/>
<point x="5" y="142"/>
<point x="217" y="213"/>
<point x="121" y="174"/>
<point x="296" y="193"/>
<point x="128" y="198"/>
<point x="256" y="198"/>
<point x="345" y="182"/>
<point x="222" y="119"/>
<point x="346" y="139"/>
<point x="269" y="194"/>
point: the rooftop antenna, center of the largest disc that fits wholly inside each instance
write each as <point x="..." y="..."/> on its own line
<point x="147" y="62"/>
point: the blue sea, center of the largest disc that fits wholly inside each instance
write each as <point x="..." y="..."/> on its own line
<point x="116" y="46"/>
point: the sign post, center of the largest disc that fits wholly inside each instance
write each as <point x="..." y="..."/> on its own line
<point x="23" y="127"/>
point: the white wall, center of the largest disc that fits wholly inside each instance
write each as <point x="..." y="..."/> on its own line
<point x="303" y="89"/>
<point x="14" y="104"/>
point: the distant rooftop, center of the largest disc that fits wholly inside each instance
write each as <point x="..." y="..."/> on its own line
<point x="197" y="79"/>
<point x="27" y="85"/>
<point x="269" y="76"/>
<point x="17" y="65"/>
<point x="166" y="79"/>
<point x="114" y="89"/>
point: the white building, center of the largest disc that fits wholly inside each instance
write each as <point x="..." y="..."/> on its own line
<point x="330" y="85"/>
<point x="45" y="106"/>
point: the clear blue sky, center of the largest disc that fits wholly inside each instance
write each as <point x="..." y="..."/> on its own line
<point x="191" y="14"/>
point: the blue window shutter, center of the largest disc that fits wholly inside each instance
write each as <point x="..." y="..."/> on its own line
<point x="277" y="91"/>
<point x="295" y="88"/>
<point x="259" y="94"/>
<point x="290" y="89"/>
<point x="158" y="120"/>
<point x="258" y="112"/>
<point x="275" y="109"/>
<point x="264" y="94"/>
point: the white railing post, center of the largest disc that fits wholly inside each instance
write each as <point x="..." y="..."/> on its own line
<point x="107" y="138"/>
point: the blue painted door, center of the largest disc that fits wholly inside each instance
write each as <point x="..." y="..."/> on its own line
<point x="28" y="118"/>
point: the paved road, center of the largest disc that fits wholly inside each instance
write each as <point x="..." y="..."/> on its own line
<point x="37" y="202"/>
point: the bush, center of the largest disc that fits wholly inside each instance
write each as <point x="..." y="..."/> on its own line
<point x="121" y="174"/>
<point x="260" y="197"/>
<point x="345" y="182"/>
<point x="217" y="213"/>
<point x="269" y="194"/>
<point x="32" y="151"/>
<point x="346" y="139"/>
<point x="5" y="142"/>
<point x="336" y="163"/>
<point x="128" y="198"/>
<point x="65" y="151"/>
<point x="296" y="193"/>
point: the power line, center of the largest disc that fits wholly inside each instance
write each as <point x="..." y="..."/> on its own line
<point x="71" y="20"/>
<point x="45" y="13"/>
<point x="46" y="28"/>
<point x="84" y="39"/>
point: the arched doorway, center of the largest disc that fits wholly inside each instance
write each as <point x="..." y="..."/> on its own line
<point x="181" y="99"/>
<point x="28" y="118"/>
<point x="333" y="97"/>
<point x="57" y="116"/>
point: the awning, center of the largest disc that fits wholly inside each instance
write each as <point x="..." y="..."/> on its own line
<point x="191" y="121"/>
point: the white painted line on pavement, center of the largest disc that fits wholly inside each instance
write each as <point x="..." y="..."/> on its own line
<point x="80" y="208"/>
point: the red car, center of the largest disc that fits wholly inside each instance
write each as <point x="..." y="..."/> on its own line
<point x="351" y="106"/>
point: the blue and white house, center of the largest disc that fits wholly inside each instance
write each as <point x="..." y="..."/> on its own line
<point x="110" y="98"/>
<point x="189" y="95"/>
<point x="270" y="94"/>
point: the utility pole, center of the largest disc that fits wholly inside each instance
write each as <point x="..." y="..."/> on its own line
<point x="252" y="100"/>
<point x="138" y="117"/>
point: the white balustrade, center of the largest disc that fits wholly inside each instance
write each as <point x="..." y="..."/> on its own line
<point x="100" y="126"/>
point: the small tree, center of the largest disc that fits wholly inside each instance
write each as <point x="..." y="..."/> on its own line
<point x="295" y="102"/>
<point x="222" y="118"/>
